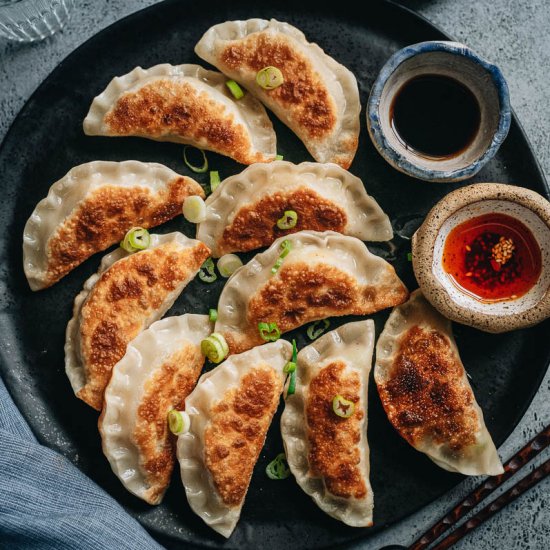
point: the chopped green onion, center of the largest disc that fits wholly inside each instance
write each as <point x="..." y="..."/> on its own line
<point x="228" y="264"/>
<point x="214" y="180"/>
<point x="269" y="78"/>
<point x="294" y="351"/>
<point x="235" y="89"/>
<point x="292" y="384"/>
<point x="213" y="315"/>
<point x="278" y="467"/>
<point x="196" y="169"/>
<point x="289" y="367"/>
<point x="279" y="157"/>
<point x="313" y="332"/>
<point x="286" y="247"/>
<point x="288" y="220"/>
<point x="277" y="265"/>
<point x="207" y="273"/>
<point x="136" y="239"/>
<point x="342" y="407"/>
<point x="269" y="331"/>
<point x="178" y="422"/>
<point x="410" y="256"/>
<point x="219" y="337"/>
<point x="215" y="347"/>
<point x="194" y="209"/>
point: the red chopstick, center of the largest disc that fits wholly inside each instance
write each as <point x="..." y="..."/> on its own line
<point x="520" y="459"/>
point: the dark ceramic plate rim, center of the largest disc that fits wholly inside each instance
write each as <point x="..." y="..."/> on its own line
<point x="521" y="136"/>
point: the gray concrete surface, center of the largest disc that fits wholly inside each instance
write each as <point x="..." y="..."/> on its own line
<point x="513" y="33"/>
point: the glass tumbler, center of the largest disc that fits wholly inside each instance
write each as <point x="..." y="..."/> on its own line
<point x="32" y="20"/>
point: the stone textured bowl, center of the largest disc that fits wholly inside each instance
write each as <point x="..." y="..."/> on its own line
<point x="427" y="251"/>
<point x="454" y="60"/>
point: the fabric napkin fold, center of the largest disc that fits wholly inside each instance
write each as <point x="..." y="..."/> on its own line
<point x="47" y="503"/>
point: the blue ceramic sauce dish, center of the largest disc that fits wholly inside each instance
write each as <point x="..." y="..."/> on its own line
<point x="438" y="111"/>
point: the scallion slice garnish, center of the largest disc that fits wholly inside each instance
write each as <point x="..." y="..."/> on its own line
<point x="194" y="209"/>
<point x="228" y="264"/>
<point x="410" y="257"/>
<point x="286" y="247"/>
<point x="207" y="272"/>
<point x="269" y="331"/>
<point x="178" y="422"/>
<point x="288" y="220"/>
<point x="215" y="347"/>
<point x="342" y="407"/>
<point x="278" y="467"/>
<point x="279" y="157"/>
<point x="196" y="169"/>
<point x="214" y="180"/>
<point x="314" y="330"/>
<point x="235" y="89"/>
<point x="136" y="239"/>
<point x="290" y="368"/>
<point x="269" y="78"/>
<point x="292" y="384"/>
<point x="213" y="315"/>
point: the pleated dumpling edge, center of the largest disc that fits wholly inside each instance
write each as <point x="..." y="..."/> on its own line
<point x="425" y="391"/>
<point x="319" y="98"/>
<point x="329" y="455"/>
<point x="242" y="213"/>
<point x="183" y="104"/>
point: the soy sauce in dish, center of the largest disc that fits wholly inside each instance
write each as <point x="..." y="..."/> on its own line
<point x="435" y="116"/>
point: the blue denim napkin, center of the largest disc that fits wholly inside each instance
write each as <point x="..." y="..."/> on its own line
<point x="47" y="503"/>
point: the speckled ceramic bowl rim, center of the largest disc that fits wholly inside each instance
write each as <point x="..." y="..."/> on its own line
<point x="395" y="157"/>
<point x="423" y="252"/>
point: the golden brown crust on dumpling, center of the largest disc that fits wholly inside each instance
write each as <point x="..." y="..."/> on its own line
<point x="255" y="225"/>
<point x="236" y="433"/>
<point x="303" y="293"/>
<point x="302" y="94"/>
<point x="165" y="391"/>
<point x="171" y="107"/>
<point x="425" y="398"/>
<point x="106" y="215"/>
<point x="334" y="454"/>
<point x="121" y="301"/>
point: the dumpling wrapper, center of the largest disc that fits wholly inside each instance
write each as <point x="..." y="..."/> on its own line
<point x="329" y="455"/>
<point x="426" y="394"/>
<point x="158" y="371"/>
<point x="242" y="213"/>
<point x="92" y="207"/>
<point x="183" y="104"/>
<point x="319" y="99"/>
<point x="231" y="409"/>
<point x="324" y="275"/>
<point x="126" y="295"/>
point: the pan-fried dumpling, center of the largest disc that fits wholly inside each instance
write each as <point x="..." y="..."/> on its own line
<point x="92" y="207"/>
<point x="319" y="98"/>
<point x="183" y="104"/>
<point x="230" y="410"/>
<point x="329" y="454"/>
<point x="323" y="275"/>
<point x="426" y="394"/>
<point x="158" y="371"/>
<point x="126" y="295"/>
<point x="242" y="213"/>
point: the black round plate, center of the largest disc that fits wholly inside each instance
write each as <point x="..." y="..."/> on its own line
<point x="47" y="140"/>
